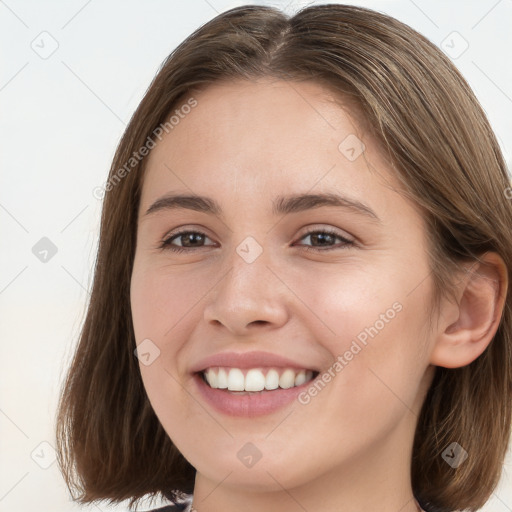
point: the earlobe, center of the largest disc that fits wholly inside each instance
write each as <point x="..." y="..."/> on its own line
<point x="471" y="323"/>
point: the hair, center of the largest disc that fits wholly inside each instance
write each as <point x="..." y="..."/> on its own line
<point x="420" y="110"/>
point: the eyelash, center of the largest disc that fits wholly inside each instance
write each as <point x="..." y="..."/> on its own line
<point x="166" y="244"/>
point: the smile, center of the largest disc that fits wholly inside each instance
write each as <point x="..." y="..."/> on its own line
<point x="256" y="379"/>
<point x="251" y="392"/>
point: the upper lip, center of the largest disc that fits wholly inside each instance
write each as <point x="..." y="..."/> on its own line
<point x="248" y="360"/>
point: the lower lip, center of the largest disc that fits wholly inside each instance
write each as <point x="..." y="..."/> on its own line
<point x="250" y="405"/>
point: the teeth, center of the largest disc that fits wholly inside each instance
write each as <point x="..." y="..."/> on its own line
<point x="272" y="380"/>
<point x="222" y="379"/>
<point x="233" y="379"/>
<point x="287" y="379"/>
<point x="254" y="381"/>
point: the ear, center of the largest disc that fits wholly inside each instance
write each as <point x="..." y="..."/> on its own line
<point x="466" y="328"/>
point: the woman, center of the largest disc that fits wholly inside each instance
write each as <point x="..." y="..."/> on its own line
<point x="301" y="295"/>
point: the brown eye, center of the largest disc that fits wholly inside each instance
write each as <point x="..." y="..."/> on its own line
<point x="189" y="240"/>
<point x="324" y="238"/>
<point x="321" y="240"/>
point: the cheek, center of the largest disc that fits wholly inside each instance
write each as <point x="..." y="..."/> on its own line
<point x="374" y="328"/>
<point x="158" y="302"/>
<point x="162" y="300"/>
<point x="165" y="305"/>
<point x="348" y="298"/>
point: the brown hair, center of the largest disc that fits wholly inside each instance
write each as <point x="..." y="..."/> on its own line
<point x="111" y="446"/>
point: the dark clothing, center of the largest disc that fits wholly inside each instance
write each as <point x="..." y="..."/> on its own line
<point x="182" y="505"/>
<point x="186" y="505"/>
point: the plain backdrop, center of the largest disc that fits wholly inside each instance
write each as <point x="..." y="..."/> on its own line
<point x="72" y="75"/>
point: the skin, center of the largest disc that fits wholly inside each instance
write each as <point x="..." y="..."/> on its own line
<point x="242" y="145"/>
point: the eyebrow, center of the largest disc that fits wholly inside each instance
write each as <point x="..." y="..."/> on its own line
<point x="281" y="205"/>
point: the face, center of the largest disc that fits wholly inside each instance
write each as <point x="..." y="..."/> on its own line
<point x="340" y="290"/>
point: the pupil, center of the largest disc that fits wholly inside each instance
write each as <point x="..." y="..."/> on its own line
<point x="321" y="236"/>
<point x="192" y="236"/>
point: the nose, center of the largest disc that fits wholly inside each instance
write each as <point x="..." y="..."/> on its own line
<point x="249" y="296"/>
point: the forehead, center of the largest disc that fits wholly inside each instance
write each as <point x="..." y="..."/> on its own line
<point x="259" y="138"/>
<point x="265" y="108"/>
<point x="246" y="121"/>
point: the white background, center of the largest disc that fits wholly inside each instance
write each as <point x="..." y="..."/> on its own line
<point x="61" y="119"/>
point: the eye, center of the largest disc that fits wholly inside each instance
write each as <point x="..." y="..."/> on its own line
<point x="190" y="241"/>
<point x="325" y="237"/>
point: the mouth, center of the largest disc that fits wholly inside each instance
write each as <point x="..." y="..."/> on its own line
<point x="246" y="381"/>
